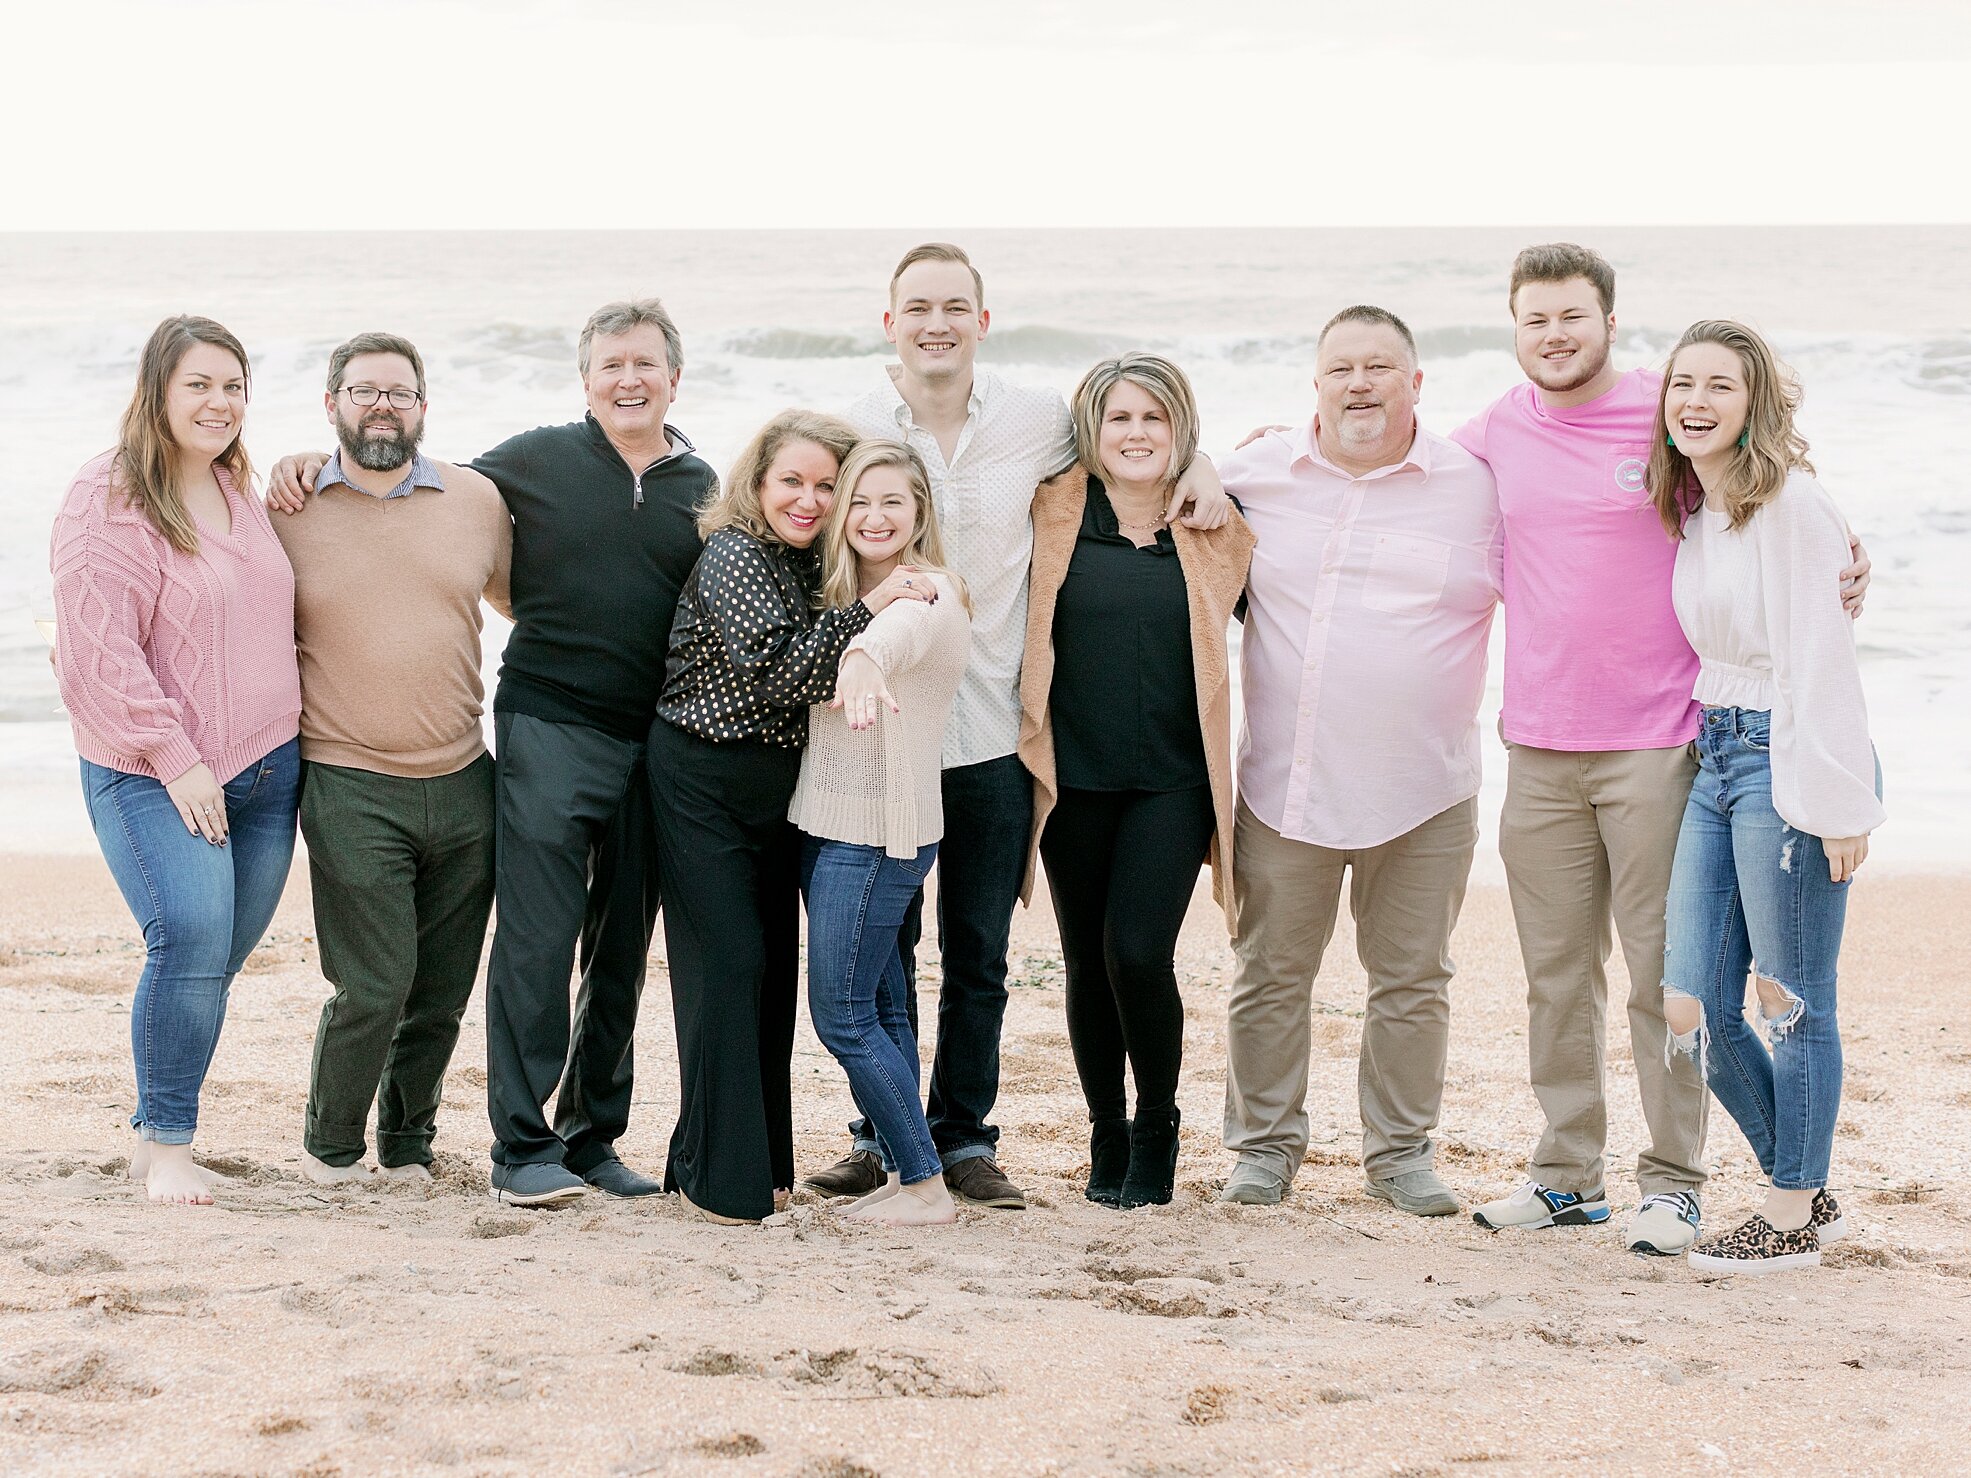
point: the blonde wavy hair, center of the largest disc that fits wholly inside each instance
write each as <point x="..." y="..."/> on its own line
<point x="736" y="503"/>
<point x="1769" y="450"/>
<point x="146" y="465"/>
<point x="923" y="551"/>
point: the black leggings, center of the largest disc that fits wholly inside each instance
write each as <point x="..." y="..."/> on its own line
<point x="732" y="930"/>
<point x="1122" y="865"/>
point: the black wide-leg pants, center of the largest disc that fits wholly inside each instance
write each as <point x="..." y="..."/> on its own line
<point x="731" y="860"/>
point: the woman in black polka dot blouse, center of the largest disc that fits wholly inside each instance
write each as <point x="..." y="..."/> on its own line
<point x="749" y="654"/>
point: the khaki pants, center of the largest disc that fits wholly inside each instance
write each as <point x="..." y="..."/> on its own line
<point x="1405" y="898"/>
<point x="1585" y="836"/>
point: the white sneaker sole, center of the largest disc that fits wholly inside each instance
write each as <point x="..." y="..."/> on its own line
<point x="546" y="1198"/>
<point x="1573" y="1216"/>
<point x="1834" y="1231"/>
<point x="1704" y="1262"/>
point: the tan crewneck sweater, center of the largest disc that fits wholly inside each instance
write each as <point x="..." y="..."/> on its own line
<point x="881" y="787"/>
<point x="387" y="621"/>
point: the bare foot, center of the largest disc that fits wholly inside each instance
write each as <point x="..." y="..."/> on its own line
<point x="926" y="1204"/>
<point x="782" y="1199"/>
<point x="323" y="1173"/>
<point x="174" y="1179"/>
<point x="411" y="1174"/>
<point x="140" y="1167"/>
<point x="863" y="1208"/>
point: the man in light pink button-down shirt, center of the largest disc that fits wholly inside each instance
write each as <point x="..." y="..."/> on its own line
<point x="1370" y="602"/>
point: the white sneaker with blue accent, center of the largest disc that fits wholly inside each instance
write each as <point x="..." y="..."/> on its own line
<point x="1666" y="1224"/>
<point x="1533" y="1206"/>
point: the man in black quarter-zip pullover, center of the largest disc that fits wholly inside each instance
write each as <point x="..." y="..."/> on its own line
<point x="603" y="537"/>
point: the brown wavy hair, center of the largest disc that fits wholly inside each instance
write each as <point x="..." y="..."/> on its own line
<point x="146" y="465"/>
<point x="1772" y="446"/>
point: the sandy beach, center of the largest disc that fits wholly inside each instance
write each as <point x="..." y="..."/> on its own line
<point x="293" y="1330"/>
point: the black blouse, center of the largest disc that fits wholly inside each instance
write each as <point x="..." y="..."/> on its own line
<point x="1124" y="700"/>
<point x="749" y="652"/>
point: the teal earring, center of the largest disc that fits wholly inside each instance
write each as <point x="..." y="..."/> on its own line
<point x="1668" y="439"/>
<point x="1744" y="438"/>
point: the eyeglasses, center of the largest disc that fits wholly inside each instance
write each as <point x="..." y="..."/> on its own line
<point x="400" y="400"/>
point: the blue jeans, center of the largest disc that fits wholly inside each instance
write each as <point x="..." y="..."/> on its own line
<point x="202" y="909"/>
<point x="857" y="898"/>
<point x="1747" y="887"/>
<point x="982" y="860"/>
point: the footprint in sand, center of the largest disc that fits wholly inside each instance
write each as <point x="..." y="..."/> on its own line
<point x="70" y="1370"/>
<point x="59" y="1262"/>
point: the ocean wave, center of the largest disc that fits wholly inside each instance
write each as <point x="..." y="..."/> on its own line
<point x="796" y="343"/>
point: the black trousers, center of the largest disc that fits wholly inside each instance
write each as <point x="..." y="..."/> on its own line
<point x="576" y="869"/>
<point x="1122" y="866"/>
<point x="732" y="927"/>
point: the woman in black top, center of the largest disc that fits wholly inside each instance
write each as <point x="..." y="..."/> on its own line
<point x="749" y="654"/>
<point x="1126" y="727"/>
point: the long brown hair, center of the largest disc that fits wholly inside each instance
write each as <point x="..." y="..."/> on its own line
<point x="146" y="466"/>
<point x="1770" y="449"/>
<point x="924" y="551"/>
<point x="737" y="503"/>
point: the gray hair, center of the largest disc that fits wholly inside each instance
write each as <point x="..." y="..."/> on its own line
<point x="1369" y="313"/>
<point x="620" y="318"/>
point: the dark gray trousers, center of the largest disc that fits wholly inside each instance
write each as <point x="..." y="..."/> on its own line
<point x="576" y="866"/>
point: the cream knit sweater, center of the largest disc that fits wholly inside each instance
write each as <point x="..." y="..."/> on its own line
<point x="1762" y="607"/>
<point x="881" y="787"/>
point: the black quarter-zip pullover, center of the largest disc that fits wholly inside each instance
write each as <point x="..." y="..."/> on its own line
<point x="599" y="556"/>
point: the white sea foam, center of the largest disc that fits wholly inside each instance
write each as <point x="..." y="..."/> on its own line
<point x="1878" y="324"/>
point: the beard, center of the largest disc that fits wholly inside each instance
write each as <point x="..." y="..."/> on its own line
<point x="377" y="453"/>
<point x="1588" y="361"/>
<point x="1363" y="431"/>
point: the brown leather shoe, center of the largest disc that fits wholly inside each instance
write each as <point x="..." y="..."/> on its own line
<point x="981" y="1181"/>
<point x="856" y="1174"/>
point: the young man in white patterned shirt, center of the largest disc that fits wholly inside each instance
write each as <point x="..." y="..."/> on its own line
<point x="988" y="445"/>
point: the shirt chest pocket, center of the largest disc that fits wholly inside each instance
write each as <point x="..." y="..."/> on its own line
<point x="1624" y="478"/>
<point x="1406" y="574"/>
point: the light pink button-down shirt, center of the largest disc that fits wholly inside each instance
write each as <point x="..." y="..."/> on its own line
<point x="1363" y="658"/>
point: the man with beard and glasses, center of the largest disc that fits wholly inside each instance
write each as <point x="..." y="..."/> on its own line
<point x="1598" y="721"/>
<point x="604" y="535"/>
<point x="1369" y="604"/>
<point x="391" y="561"/>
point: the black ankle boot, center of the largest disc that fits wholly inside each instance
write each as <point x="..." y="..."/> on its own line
<point x="1152" y="1158"/>
<point x="1108" y="1160"/>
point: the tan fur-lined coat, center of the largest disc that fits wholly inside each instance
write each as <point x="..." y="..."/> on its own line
<point x="1214" y="564"/>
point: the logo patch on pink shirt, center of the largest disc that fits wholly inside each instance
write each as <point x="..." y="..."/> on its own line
<point x="1630" y="473"/>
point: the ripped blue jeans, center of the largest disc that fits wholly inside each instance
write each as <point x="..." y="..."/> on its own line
<point x="1749" y="888"/>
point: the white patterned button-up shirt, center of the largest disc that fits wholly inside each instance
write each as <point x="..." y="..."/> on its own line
<point x="1015" y="437"/>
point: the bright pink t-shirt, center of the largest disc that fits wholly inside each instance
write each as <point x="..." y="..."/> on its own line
<point x="1595" y="658"/>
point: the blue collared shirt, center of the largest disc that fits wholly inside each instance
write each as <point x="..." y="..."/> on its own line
<point x="423" y="474"/>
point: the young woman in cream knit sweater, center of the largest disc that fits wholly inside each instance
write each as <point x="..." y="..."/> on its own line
<point x="870" y="803"/>
<point x="1787" y="788"/>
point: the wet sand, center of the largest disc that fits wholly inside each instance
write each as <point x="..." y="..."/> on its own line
<point x="296" y="1330"/>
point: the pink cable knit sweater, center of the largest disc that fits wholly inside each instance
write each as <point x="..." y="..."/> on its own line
<point x="167" y="659"/>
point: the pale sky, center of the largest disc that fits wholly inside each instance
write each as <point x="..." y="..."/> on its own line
<point x="277" y="114"/>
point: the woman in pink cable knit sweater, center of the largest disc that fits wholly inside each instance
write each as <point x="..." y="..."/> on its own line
<point x="174" y="607"/>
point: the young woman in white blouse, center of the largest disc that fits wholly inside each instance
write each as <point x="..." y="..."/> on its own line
<point x="869" y="801"/>
<point x="1787" y="788"/>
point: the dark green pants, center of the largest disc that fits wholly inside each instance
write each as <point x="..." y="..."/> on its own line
<point x="403" y="881"/>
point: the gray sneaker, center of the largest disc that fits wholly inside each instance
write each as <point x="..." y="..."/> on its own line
<point x="1419" y="1192"/>
<point x="1252" y="1185"/>
<point x="536" y="1185"/>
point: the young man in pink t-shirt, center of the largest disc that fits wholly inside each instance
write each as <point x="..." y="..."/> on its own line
<point x="1597" y="721"/>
